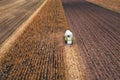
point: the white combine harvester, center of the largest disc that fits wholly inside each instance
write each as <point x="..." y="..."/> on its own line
<point x="68" y="37"/>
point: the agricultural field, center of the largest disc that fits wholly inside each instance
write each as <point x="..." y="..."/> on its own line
<point x="36" y="50"/>
<point x="37" y="53"/>
<point x="97" y="33"/>
<point x="113" y="5"/>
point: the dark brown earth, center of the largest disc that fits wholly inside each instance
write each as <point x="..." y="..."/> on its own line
<point x="97" y="32"/>
<point x="13" y="13"/>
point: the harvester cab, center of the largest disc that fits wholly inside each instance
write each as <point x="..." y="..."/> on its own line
<point x="68" y="37"/>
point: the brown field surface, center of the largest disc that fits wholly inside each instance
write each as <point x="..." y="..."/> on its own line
<point x="113" y="5"/>
<point x="36" y="50"/>
<point x="97" y="33"/>
<point x="13" y="13"/>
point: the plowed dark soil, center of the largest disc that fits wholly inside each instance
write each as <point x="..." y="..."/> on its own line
<point x="97" y="32"/>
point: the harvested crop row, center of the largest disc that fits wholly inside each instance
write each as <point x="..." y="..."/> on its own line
<point x="37" y="54"/>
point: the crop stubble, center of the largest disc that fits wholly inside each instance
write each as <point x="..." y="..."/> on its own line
<point x="37" y="54"/>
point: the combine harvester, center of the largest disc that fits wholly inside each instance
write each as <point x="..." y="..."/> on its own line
<point x="68" y="37"/>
